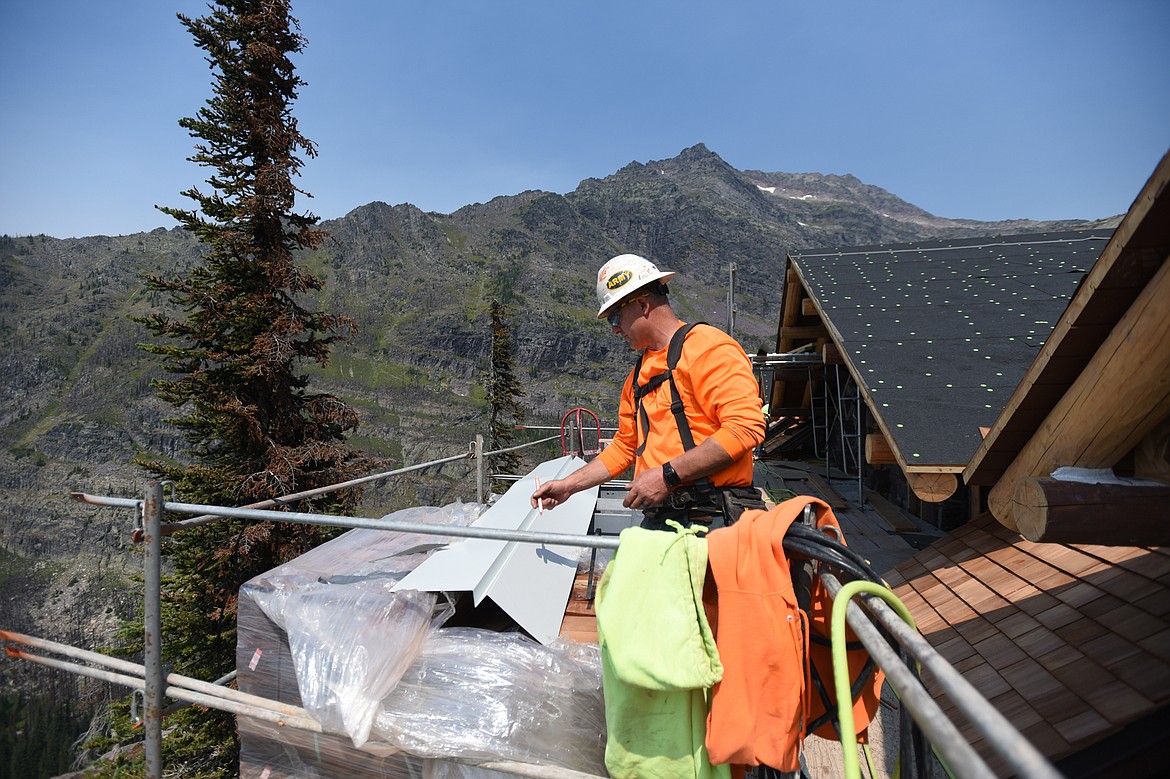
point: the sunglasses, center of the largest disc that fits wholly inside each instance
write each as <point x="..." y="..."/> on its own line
<point x="615" y="316"/>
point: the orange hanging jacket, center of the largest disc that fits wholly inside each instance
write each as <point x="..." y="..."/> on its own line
<point x="763" y="705"/>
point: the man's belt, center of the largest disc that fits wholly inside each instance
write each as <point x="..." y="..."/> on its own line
<point x="692" y="501"/>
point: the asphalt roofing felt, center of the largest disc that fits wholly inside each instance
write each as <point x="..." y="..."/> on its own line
<point x="941" y="332"/>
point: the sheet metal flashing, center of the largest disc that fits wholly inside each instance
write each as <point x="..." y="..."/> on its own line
<point x="530" y="582"/>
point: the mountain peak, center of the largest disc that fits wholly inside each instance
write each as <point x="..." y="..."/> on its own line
<point x="698" y="152"/>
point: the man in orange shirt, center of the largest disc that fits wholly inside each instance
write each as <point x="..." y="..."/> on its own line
<point x="689" y="432"/>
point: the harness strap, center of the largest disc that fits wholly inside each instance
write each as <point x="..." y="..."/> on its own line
<point x="673" y="353"/>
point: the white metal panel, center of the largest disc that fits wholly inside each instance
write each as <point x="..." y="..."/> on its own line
<point x="531" y="582"/>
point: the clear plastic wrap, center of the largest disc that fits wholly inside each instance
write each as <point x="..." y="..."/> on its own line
<point x="271" y="751"/>
<point x="350" y="638"/>
<point x="476" y="694"/>
<point x="350" y="641"/>
<point x="363" y="551"/>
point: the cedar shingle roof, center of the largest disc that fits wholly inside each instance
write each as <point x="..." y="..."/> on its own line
<point x="1071" y="642"/>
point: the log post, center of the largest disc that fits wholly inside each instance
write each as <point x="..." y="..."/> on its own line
<point x="878" y="451"/>
<point x="831" y="355"/>
<point x="1069" y="512"/>
<point x="933" y="487"/>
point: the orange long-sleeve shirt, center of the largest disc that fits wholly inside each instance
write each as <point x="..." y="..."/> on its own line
<point x="714" y="378"/>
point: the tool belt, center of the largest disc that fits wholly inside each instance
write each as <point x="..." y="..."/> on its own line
<point x="702" y="505"/>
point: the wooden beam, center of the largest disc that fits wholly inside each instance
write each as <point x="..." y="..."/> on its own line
<point x="831" y="355"/>
<point x="1069" y="512"/>
<point x="1152" y="456"/>
<point x="830" y="495"/>
<point x="790" y="306"/>
<point x="808" y="307"/>
<point x="898" y="520"/>
<point x="878" y="451"/>
<point x="1123" y="394"/>
<point x="789" y="315"/>
<point x="933" y="487"/>
<point x="974" y="493"/>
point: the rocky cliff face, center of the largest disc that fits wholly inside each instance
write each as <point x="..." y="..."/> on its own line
<point x="75" y="400"/>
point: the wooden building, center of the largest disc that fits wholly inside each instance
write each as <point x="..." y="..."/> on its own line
<point x="1055" y="601"/>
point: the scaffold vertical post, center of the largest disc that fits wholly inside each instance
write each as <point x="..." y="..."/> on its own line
<point x="479" y="467"/>
<point x="152" y="511"/>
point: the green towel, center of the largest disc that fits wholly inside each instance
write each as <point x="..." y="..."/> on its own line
<point x="658" y="656"/>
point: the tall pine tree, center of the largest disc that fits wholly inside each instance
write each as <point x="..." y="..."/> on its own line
<point x="232" y="355"/>
<point x="503" y="394"/>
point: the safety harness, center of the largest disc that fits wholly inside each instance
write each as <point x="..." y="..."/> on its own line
<point x="702" y="498"/>
<point x="673" y="353"/>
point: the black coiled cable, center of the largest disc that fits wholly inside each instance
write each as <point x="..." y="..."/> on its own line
<point x="804" y="542"/>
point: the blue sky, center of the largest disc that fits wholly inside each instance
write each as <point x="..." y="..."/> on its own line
<point x="988" y="109"/>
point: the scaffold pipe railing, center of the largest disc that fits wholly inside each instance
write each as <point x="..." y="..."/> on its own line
<point x="953" y="748"/>
<point x="371" y="523"/>
<point x="169" y="528"/>
<point x="133" y="675"/>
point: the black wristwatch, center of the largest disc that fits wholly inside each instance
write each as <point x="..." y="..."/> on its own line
<point x="669" y="476"/>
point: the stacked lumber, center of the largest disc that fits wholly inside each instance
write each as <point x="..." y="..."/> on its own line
<point x="787" y="436"/>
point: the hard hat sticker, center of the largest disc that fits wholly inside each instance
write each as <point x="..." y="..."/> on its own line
<point x="618" y="279"/>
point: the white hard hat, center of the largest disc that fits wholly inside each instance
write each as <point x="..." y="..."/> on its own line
<point x="624" y="274"/>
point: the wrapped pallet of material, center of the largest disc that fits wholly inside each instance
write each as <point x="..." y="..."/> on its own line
<point x="475" y="694"/>
<point x="324" y="632"/>
<point x="351" y="640"/>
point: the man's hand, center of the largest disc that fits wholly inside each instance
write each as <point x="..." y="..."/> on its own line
<point x="647" y="489"/>
<point x="552" y="494"/>
<point x="557" y="491"/>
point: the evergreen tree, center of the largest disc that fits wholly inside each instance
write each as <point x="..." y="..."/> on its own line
<point x="37" y="732"/>
<point x="254" y="429"/>
<point x="503" y="394"/>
